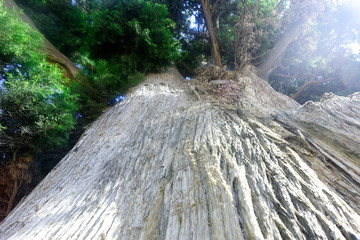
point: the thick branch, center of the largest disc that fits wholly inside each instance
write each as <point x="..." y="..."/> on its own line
<point x="311" y="82"/>
<point x="53" y="55"/>
<point x="213" y="8"/>
<point x="272" y="60"/>
<point x="302" y="13"/>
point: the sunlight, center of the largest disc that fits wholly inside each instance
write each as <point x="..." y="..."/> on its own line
<point x="354" y="48"/>
<point x="351" y="20"/>
<point x="355" y="3"/>
<point x="193" y="23"/>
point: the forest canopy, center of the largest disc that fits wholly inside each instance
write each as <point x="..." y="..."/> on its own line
<point x="302" y="48"/>
<point x="319" y="39"/>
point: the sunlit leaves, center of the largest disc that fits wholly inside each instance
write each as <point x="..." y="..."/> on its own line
<point x="17" y="40"/>
<point x="36" y="107"/>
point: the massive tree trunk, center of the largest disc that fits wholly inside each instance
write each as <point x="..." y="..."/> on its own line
<point x="186" y="160"/>
<point x="53" y="55"/>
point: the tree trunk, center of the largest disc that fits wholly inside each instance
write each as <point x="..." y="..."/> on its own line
<point x="205" y="5"/>
<point x="53" y="55"/>
<point x="273" y="58"/>
<point x="10" y="202"/>
<point x="184" y="160"/>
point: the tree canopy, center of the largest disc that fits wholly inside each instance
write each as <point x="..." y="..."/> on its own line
<point x="278" y="36"/>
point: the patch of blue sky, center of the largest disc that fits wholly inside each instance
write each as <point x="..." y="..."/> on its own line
<point x="116" y="99"/>
<point x="78" y="116"/>
<point x="79" y="66"/>
<point x="193" y="23"/>
<point x="2" y="81"/>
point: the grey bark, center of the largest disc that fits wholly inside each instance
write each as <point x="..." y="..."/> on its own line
<point x="185" y="160"/>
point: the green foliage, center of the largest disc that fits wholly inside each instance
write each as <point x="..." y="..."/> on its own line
<point x="113" y="41"/>
<point x="35" y="111"/>
<point x="125" y="40"/>
<point x="104" y="78"/>
<point x="256" y="25"/>
<point x="17" y="40"/>
<point x="136" y="30"/>
<point x="244" y="30"/>
<point x="36" y="108"/>
<point x="63" y="24"/>
<point x="193" y="53"/>
<point x="2" y="128"/>
<point x="265" y="6"/>
<point x="111" y="78"/>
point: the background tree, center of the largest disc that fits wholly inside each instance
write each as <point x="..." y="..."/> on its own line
<point x="297" y="20"/>
<point x="115" y="42"/>
<point x="320" y="61"/>
<point x="52" y="53"/>
<point x="257" y="24"/>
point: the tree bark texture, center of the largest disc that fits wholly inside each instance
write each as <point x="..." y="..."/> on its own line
<point x="185" y="160"/>
<point x="205" y="5"/>
<point x="52" y="54"/>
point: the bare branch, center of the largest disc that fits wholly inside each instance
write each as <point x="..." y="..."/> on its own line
<point x="311" y="82"/>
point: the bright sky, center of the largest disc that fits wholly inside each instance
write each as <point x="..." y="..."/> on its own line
<point x="352" y="2"/>
<point x="353" y="47"/>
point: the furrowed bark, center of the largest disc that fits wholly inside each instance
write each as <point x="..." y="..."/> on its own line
<point x="185" y="160"/>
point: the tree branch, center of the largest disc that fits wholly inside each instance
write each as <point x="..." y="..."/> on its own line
<point x="187" y="68"/>
<point x="213" y="8"/>
<point x="285" y="75"/>
<point x="311" y="82"/>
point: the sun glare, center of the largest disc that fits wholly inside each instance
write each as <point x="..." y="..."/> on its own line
<point x="352" y="23"/>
